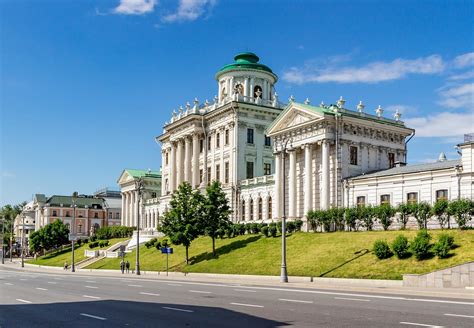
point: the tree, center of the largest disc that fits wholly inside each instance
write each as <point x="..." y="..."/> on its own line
<point x="461" y="209"/>
<point x="421" y="212"/>
<point x="336" y="216"/>
<point x="53" y="235"/>
<point x="366" y="216"/>
<point x="216" y="212"/>
<point x="182" y="222"/>
<point x="384" y="214"/>
<point x="440" y="209"/>
<point x="404" y="212"/>
<point x="351" y="218"/>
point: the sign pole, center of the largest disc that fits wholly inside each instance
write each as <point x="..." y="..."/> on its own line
<point x="167" y="255"/>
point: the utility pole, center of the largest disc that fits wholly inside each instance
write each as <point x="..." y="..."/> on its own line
<point x="22" y="240"/>
<point x="139" y="187"/>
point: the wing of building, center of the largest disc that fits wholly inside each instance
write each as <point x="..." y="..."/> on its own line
<point x="276" y="159"/>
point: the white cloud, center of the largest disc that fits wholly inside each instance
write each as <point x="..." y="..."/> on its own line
<point x="464" y="60"/>
<point x="463" y="76"/>
<point x="444" y="124"/>
<point x="403" y="109"/>
<point x="371" y="73"/>
<point x="458" y="96"/>
<point x="135" y="7"/>
<point x="190" y="10"/>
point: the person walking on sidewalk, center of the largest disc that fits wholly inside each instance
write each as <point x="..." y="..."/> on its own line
<point x="65" y="265"/>
<point x="127" y="266"/>
<point x="122" y="266"/>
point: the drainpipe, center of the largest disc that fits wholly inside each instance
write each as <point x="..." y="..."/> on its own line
<point x="406" y="142"/>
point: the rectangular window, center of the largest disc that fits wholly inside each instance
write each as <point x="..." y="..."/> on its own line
<point x="268" y="141"/>
<point x="226" y="137"/>
<point x="442" y="194"/>
<point x="200" y="176"/>
<point x="385" y="199"/>
<point x="96" y="215"/>
<point x="353" y="150"/>
<point x="250" y="136"/>
<point x="153" y="195"/>
<point x="391" y="160"/>
<point x="201" y="145"/>
<point x="226" y="178"/>
<point x="209" y="142"/>
<point x="218" y="172"/>
<point x="166" y="158"/>
<point x="55" y="213"/>
<point x="218" y="140"/>
<point x="360" y="201"/>
<point x="412" y="198"/>
<point x="267" y="168"/>
<point x="249" y="170"/>
<point x="67" y="214"/>
<point x="209" y="177"/>
<point x="110" y="215"/>
<point x="166" y="186"/>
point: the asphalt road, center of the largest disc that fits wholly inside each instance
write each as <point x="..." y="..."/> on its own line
<point x="30" y="299"/>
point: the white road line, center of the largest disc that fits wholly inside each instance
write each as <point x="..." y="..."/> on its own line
<point x="94" y="297"/>
<point x="248" y="305"/>
<point x="176" y="309"/>
<point x="92" y="316"/>
<point x="23" y="301"/>
<point x="245" y="290"/>
<point x="174" y="285"/>
<point x="52" y="282"/>
<point x="295" y="301"/>
<point x="436" y="301"/>
<point x="23" y="279"/>
<point x="419" y="324"/>
<point x="8" y="284"/>
<point x="199" y="291"/>
<point x="351" y="299"/>
<point x="135" y="286"/>
<point x="459" y="315"/>
<point x="91" y="281"/>
<point x="58" y="278"/>
<point x="91" y="286"/>
<point x="151" y="294"/>
<point x="39" y="288"/>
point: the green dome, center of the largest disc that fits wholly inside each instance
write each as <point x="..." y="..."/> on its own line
<point x="245" y="60"/>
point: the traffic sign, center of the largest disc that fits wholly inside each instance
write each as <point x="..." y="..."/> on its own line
<point x="166" y="250"/>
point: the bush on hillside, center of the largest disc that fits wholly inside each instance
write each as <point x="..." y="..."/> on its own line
<point x="382" y="250"/>
<point x="113" y="232"/>
<point x="265" y="231"/>
<point x="443" y="246"/>
<point x="400" y="247"/>
<point x="420" y="246"/>
<point x="272" y="230"/>
<point x="290" y="226"/>
<point x="254" y="228"/>
<point x="93" y="244"/>
<point x="298" y="224"/>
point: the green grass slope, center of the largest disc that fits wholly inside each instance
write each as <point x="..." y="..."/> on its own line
<point x="339" y="254"/>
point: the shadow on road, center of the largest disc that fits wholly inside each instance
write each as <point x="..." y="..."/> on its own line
<point x="114" y="313"/>
<point x="358" y="254"/>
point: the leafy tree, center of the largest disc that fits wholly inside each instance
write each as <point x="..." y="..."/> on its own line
<point x="440" y="210"/>
<point x="336" y="216"/>
<point x="461" y="209"/>
<point x="404" y="212"/>
<point x="351" y="218"/>
<point x="420" y="246"/>
<point x="401" y="247"/>
<point x="384" y="214"/>
<point x="366" y="216"/>
<point x="51" y="236"/>
<point x="421" y="212"/>
<point x="182" y="222"/>
<point x="313" y="220"/>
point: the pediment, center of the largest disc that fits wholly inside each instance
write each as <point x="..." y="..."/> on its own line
<point x="125" y="177"/>
<point x="293" y="117"/>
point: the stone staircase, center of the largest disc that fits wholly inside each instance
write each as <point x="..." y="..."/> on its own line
<point x="88" y="261"/>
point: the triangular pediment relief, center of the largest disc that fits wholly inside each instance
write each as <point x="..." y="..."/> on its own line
<point x="124" y="178"/>
<point x="293" y="117"/>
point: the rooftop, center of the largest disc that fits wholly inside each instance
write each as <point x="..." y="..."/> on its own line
<point x="245" y="60"/>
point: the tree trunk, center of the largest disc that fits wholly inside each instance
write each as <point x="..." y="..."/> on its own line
<point x="213" y="246"/>
<point x="187" y="254"/>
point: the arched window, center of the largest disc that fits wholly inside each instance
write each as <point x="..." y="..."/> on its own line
<point x="257" y="91"/>
<point x="223" y="93"/>
<point x="243" y="210"/>
<point x="239" y="89"/>
<point x="260" y="208"/>
<point x="270" y="205"/>
<point x="251" y="209"/>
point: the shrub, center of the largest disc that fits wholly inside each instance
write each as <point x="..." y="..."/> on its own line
<point x="254" y="228"/>
<point x="461" y="209"/>
<point x="229" y="232"/>
<point x="366" y="216"/>
<point x="86" y="240"/>
<point x="440" y="209"/>
<point x="114" y="232"/>
<point x="261" y="225"/>
<point x="101" y="243"/>
<point x="298" y="225"/>
<point x="265" y="231"/>
<point x="248" y="228"/>
<point x="400" y="247"/>
<point x="93" y="238"/>
<point x="93" y="244"/>
<point x="384" y="214"/>
<point x="382" y="250"/>
<point x="158" y="245"/>
<point x="272" y="230"/>
<point x="220" y="233"/>
<point x="420" y="246"/>
<point x="165" y="243"/>
<point x="404" y="211"/>
<point x="290" y="226"/>
<point x="351" y="218"/>
<point x="421" y="212"/>
<point x="443" y="245"/>
<point x="79" y="242"/>
<point x="313" y="220"/>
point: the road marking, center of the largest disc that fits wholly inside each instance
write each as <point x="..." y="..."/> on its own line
<point x="91" y="286"/>
<point x="419" y="324"/>
<point x="245" y="290"/>
<point x="174" y="285"/>
<point x="91" y="281"/>
<point x="94" y="297"/>
<point x="436" y="301"/>
<point x="23" y="279"/>
<point x="23" y="301"/>
<point x="92" y="316"/>
<point x="459" y="315"/>
<point x="8" y="284"/>
<point x="135" y="286"/>
<point x="52" y="282"/>
<point x="58" y="278"/>
<point x="39" y="288"/>
<point x="199" y="291"/>
<point x="151" y="294"/>
<point x="351" y="299"/>
<point x="176" y="309"/>
<point x="296" y="301"/>
<point x="248" y="305"/>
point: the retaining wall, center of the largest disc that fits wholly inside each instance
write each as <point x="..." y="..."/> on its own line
<point x="459" y="276"/>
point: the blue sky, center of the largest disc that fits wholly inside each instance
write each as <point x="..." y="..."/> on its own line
<point x="87" y="85"/>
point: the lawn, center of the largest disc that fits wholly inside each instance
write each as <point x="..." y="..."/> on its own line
<point x="338" y="254"/>
<point x="58" y="258"/>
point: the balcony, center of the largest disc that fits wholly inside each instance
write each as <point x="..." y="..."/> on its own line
<point x="257" y="181"/>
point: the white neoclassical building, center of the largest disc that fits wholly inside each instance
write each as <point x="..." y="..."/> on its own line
<point x="274" y="159"/>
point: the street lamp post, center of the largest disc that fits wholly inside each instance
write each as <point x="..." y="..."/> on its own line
<point x="73" y="226"/>
<point x="3" y="239"/>
<point x="139" y="187"/>
<point x="284" y="273"/>
<point x="22" y="240"/>
<point x="11" y="241"/>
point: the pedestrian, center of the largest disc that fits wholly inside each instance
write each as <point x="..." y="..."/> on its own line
<point x="122" y="266"/>
<point x="65" y="265"/>
<point x="127" y="266"/>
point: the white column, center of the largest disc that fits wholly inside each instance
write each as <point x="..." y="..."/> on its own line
<point x="265" y="211"/>
<point x="278" y="185"/>
<point x="122" y="219"/>
<point x="246" y="87"/>
<point x="127" y="209"/>
<point x="222" y="165"/>
<point x="325" y="175"/>
<point x="233" y="153"/>
<point x="247" y="210"/>
<point x="292" y="185"/>
<point x="264" y="89"/>
<point x="172" y="169"/>
<point x="252" y="82"/>
<point x="164" y="167"/>
<point x="179" y="164"/>
<point x="187" y="160"/>
<point x="195" y="164"/>
<point x="133" y="208"/>
<point x="308" y="178"/>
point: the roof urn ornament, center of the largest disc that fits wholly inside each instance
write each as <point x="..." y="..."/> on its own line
<point x="216" y="99"/>
<point x="322" y="104"/>
<point x="360" y="107"/>
<point x="180" y="110"/>
<point x="379" y="111"/>
<point x="307" y="102"/>
<point x="397" y="115"/>
<point x="442" y="157"/>
<point x="206" y="103"/>
<point x="340" y="103"/>
<point x="188" y="106"/>
<point x="291" y="99"/>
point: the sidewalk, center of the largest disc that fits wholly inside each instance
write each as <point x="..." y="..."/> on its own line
<point x="348" y="285"/>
